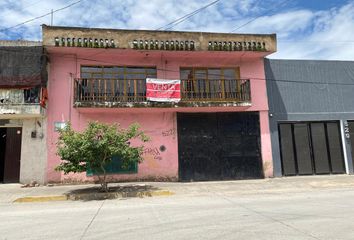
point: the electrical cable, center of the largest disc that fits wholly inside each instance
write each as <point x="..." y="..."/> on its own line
<point x="175" y="22"/>
<point x="25" y="7"/>
<point x="313" y="42"/>
<point x="175" y="71"/>
<point x="253" y="19"/>
<point x="244" y="77"/>
<point x="42" y="16"/>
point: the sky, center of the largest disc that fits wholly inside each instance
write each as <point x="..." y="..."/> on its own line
<point x="306" y="29"/>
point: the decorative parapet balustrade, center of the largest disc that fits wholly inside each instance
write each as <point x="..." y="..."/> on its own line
<point x="156" y="40"/>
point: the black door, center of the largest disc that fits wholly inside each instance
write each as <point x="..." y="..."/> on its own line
<point x="321" y="157"/>
<point x="302" y="148"/>
<point x="10" y="159"/>
<point x="219" y="146"/>
<point x="311" y="148"/>
<point x="2" y="152"/>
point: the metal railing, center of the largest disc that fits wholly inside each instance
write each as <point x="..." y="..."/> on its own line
<point x="20" y="96"/>
<point x="110" y="90"/>
<point x="216" y="90"/>
<point x="134" y="90"/>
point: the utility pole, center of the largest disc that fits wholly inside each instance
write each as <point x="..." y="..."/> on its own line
<point x="51" y="18"/>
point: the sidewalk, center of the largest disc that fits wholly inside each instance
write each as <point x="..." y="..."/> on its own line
<point x="11" y="192"/>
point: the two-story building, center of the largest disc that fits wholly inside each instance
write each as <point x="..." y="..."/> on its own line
<point x="23" y="78"/>
<point x="214" y="125"/>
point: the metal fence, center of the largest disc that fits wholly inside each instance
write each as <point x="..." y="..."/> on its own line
<point x="20" y="96"/>
<point x="134" y="90"/>
<point x="216" y="90"/>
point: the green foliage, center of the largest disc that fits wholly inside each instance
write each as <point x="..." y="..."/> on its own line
<point x="96" y="145"/>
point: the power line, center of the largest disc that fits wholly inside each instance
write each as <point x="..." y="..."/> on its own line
<point x="211" y="74"/>
<point x="42" y="16"/>
<point x="244" y="77"/>
<point x="313" y="42"/>
<point x="30" y="5"/>
<point x="174" y="23"/>
<point x="253" y="19"/>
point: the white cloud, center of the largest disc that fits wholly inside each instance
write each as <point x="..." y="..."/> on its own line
<point x="302" y="33"/>
<point x="330" y="36"/>
<point x="283" y="24"/>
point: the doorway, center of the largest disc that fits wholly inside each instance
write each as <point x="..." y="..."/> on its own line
<point x="219" y="146"/>
<point x="10" y="154"/>
<point x="309" y="148"/>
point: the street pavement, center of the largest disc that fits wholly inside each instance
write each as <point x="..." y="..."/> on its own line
<point x="319" y="207"/>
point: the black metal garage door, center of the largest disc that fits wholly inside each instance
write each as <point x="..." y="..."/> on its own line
<point x="311" y="148"/>
<point x="219" y="146"/>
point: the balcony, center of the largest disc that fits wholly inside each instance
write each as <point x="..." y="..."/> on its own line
<point x="103" y="92"/>
<point x="20" y="103"/>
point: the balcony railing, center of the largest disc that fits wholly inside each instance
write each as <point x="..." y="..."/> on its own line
<point x="19" y="96"/>
<point x="110" y="90"/>
<point x="216" y="90"/>
<point x="134" y="90"/>
<point x="20" y="102"/>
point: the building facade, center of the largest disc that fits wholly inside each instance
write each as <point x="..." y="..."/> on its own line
<point x="218" y="130"/>
<point x="23" y="78"/>
<point x="311" y="116"/>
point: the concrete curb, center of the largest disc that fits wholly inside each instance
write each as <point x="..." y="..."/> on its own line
<point x="94" y="196"/>
<point x="41" y="199"/>
<point x="116" y="195"/>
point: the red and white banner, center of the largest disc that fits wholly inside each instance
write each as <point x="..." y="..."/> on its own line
<point x="163" y="90"/>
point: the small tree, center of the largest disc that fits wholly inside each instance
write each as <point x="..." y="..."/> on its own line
<point x="95" y="146"/>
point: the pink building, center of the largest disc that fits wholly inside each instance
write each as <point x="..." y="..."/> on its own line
<point x="218" y="130"/>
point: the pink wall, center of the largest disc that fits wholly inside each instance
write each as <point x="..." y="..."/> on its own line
<point x="160" y="127"/>
<point x="64" y="66"/>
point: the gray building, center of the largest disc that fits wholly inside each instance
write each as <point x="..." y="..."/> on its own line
<point x="311" y="108"/>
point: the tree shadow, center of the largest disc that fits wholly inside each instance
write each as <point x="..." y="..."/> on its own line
<point x="114" y="192"/>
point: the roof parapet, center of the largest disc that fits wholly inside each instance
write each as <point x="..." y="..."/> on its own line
<point x="156" y="40"/>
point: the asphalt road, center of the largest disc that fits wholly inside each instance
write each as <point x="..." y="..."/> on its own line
<point x="308" y="214"/>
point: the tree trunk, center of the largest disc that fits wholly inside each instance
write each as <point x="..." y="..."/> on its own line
<point x="103" y="182"/>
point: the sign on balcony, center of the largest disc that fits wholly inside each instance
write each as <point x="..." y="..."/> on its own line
<point x="163" y="90"/>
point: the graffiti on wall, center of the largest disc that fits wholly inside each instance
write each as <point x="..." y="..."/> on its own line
<point x="169" y="132"/>
<point x="151" y="155"/>
<point x="154" y="152"/>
